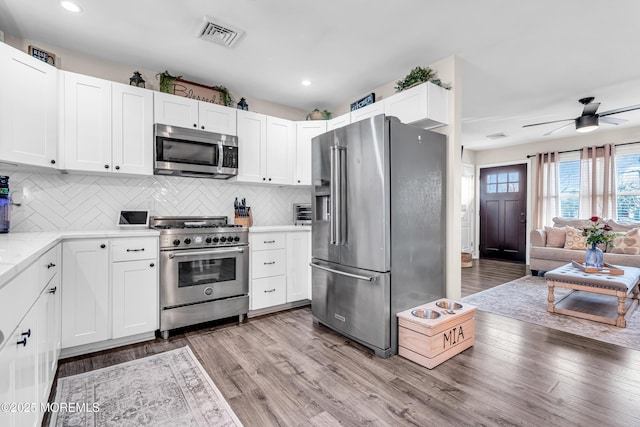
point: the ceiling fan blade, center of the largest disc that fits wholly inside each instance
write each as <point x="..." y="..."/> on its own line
<point x="558" y="129"/>
<point x="620" y="110"/>
<point x="612" y="121"/>
<point x="590" y="109"/>
<point x="546" y="123"/>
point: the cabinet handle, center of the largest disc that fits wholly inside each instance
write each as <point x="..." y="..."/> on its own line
<point x="23" y="341"/>
<point x="152" y="265"/>
<point x="50" y="265"/>
<point x="117" y="168"/>
<point x="53" y="162"/>
<point x="135" y="250"/>
<point x="264" y="179"/>
<point x="195" y="125"/>
<point x="298" y="181"/>
<point x="269" y="179"/>
<point x="267" y="291"/>
<point x="53" y="290"/>
<point x="102" y="246"/>
<point x="27" y="334"/>
<point x="269" y="263"/>
<point x="269" y="241"/>
<point x="106" y="166"/>
<point x="201" y="127"/>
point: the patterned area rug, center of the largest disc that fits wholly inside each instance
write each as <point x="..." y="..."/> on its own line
<point x="166" y="389"/>
<point x="526" y="299"/>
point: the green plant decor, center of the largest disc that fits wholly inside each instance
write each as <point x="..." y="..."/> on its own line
<point x="166" y="81"/>
<point x="416" y="76"/>
<point x="225" y="95"/>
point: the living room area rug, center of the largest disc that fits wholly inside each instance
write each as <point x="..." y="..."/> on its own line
<point x="166" y="389"/>
<point x="526" y="299"/>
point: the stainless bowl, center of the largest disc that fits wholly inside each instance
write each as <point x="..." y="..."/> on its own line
<point x="425" y="314"/>
<point x="449" y="305"/>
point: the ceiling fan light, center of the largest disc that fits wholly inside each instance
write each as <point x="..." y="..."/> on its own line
<point x="586" y="124"/>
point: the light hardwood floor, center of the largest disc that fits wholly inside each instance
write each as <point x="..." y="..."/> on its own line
<point x="282" y="370"/>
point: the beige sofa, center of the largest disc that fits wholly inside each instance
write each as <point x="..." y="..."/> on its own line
<point x="546" y="255"/>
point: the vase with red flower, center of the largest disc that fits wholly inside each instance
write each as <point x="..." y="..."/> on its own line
<point x="599" y="232"/>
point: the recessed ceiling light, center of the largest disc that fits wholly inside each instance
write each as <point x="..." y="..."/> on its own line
<point x="70" y="6"/>
<point x="306" y="83"/>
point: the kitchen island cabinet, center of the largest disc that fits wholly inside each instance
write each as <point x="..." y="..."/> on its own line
<point x="28" y="109"/>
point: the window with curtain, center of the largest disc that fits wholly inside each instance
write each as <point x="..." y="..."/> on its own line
<point x="624" y="197"/>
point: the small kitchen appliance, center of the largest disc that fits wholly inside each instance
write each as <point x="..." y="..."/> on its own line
<point x="194" y="153"/>
<point x="204" y="270"/>
<point x="302" y="214"/>
<point x="5" y="204"/>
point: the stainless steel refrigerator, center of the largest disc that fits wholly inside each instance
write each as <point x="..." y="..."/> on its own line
<point x="378" y="227"/>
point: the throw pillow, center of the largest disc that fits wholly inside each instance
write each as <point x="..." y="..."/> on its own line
<point x="556" y="237"/>
<point x="628" y="244"/>
<point x="575" y="239"/>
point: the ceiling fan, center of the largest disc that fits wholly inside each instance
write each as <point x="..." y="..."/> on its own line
<point x="589" y="119"/>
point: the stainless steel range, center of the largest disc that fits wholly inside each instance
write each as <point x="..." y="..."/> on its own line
<point x="204" y="270"/>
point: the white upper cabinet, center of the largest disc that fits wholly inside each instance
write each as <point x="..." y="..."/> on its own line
<point x="425" y="105"/>
<point x="189" y="113"/>
<point x="265" y="149"/>
<point x="305" y="131"/>
<point x="107" y="126"/>
<point x="368" y="111"/>
<point x="175" y="110"/>
<point x="217" y="118"/>
<point x="132" y="130"/>
<point x="278" y="161"/>
<point x="87" y="123"/>
<point x="28" y="109"/>
<point x="338" y="122"/>
<point x="252" y="140"/>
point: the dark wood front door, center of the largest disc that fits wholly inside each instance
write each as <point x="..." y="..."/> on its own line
<point x="503" y="212"/>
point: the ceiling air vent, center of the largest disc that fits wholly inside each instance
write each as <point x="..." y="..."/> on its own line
<point x="497" y="135"/>
<point x="217" y="32"/>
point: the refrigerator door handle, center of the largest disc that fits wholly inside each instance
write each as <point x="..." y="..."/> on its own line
<point x="341" y="225"/>
<point x="343" y="273"/>
<point x="333" y="196"/>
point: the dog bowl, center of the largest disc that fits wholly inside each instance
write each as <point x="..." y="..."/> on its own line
<point x="449" y="305"/>
<point x="425" y="314"/>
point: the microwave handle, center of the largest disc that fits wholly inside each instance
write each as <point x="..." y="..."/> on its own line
<point x="220" y="156"/>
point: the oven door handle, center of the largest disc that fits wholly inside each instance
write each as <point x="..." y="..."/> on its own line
<point x="210" y="252"/>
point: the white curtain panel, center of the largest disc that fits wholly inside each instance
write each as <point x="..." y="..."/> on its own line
<point x="547" y="200"/>
<point x="598" y="182"/>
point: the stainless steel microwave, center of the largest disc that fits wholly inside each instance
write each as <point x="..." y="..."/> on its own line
<point x="194" y="153"/>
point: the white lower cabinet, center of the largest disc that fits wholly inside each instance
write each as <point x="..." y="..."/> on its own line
<point x="110" y="289"/>
<point x="85" y="298"/>
<point x="28" y="349"/>
<point x="280" y="271"/>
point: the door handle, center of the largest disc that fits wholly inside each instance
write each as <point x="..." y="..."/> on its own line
<point x="343" y="273"/>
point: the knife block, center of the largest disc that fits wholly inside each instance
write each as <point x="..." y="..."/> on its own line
<point x="246" y="221"/>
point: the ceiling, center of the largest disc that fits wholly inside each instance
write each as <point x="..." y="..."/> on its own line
<point x="521" y="62"/>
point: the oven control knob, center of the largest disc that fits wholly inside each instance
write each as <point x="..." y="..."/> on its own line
<point x="236" y="239"/>
<point x="208" y="240"/>
<point x="176" y="242"/>
<point x="215" y="240"/>
<point x="208" y="291"/>
<point x="223" y="239"/>
<point x="187" y="241"/>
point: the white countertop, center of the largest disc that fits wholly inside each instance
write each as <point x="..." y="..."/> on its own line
<point x="19" y="250"/>
<point x="272" y="228"/>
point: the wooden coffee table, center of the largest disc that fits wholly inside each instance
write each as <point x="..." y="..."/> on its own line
<point x="591" y="294"/>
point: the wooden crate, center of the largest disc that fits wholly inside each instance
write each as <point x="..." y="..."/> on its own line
<point x="430" y="342"/>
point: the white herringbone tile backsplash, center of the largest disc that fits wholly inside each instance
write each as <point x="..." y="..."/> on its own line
<point x="74" y="202"/>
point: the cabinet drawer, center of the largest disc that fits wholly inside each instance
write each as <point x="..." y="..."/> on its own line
<point x="262" y="241"/>
<point x="268" y="291"/>
<point x="268" y="263"/>
<point x="48" y="264"/>
<point x="134" y="249"/>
